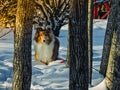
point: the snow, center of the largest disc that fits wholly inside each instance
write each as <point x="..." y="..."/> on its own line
<point x="100" y="86"/>
<point x="55" y="76"/>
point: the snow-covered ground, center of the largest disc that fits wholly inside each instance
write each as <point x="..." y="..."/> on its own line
<point x="55" y="76"/>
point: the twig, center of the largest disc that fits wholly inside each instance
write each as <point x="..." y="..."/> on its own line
<point x="6" y="33"/>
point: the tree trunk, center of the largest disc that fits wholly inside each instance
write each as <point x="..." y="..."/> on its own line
<point x="78" y="45"/>
<point x="107" y="64"/>
<point x="108" y="40"/>
<point x="56" y="31"/>
<point x="67" y="58"/>
<point x="22" y="68"/>
<point x="116" y="76"/>
<point x="110" y="67"/>
<point x="90" y="34"/>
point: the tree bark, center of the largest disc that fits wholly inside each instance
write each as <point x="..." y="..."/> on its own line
<point x="116" y="76"/>
<point x="22" y="68"/>
<point x="110" y="67"/>
<point x="78" y="45"/>
<point x="113" y="72"/>
<point x="108" y="40"/>
<point x="90" y="34"/>
<point x="67" y="58"/>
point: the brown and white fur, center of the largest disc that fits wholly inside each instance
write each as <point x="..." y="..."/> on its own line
<point x="46" y="45"/>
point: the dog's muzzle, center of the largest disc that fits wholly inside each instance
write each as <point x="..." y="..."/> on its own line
<point x="44" y="40"/>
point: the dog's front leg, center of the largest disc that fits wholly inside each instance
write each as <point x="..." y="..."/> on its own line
<point x="36" y="56"/>
<point x="46" y="63"/>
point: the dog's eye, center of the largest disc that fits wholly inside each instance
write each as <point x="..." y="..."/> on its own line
<point x="47" y="31"/>
<point x="46" y="34"/>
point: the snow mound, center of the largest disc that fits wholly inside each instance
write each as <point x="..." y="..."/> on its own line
<point x="100" y="86"/>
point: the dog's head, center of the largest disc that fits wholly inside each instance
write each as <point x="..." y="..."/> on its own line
<point x="44" y="35"/>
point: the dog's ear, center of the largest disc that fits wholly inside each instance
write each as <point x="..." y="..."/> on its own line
<point x="36" y="36"/>
<point x="48" y="29"/>
<point x="39" y="29"/>
<point x="37" y="33"/>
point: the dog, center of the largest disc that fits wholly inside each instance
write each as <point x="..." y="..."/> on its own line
<point x="46" y="45"/>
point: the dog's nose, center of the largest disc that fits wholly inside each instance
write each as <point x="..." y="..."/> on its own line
<point x="43" y="40"/>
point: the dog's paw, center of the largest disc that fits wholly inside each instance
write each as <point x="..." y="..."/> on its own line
<point x="56" y="62"/>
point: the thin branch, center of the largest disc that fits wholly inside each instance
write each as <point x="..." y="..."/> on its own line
<point x="61" y="5"/>
<point x="42" y="9"/>
<point x="49" y="9"/>
<point x="6" y="33"/>
<point x="59" y="1"/>
<point x="64" y="8"/>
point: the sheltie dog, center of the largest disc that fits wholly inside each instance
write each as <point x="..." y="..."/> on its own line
<point x="46" y="45"/>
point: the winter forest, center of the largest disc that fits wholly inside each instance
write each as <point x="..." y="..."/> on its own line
<point x="59" y="45"/>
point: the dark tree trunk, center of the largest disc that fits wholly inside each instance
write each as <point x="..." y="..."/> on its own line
<point x="109" y="66"/>
<point x="90" y="34"/>
<point x="108" y="40"/>
<point x="22" y="68"/>
<point x="116" y="76"/>
<point x="56" y="31"/>
<point x="78" y="45"/>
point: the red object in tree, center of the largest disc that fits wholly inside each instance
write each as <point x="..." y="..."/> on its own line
<point x="107" y="6"/>
<point x="97" y="9"/>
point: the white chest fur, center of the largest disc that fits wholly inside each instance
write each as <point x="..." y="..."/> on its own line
<point x="44" y="51"/>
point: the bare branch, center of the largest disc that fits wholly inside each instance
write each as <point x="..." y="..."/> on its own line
<point x="41" y="8"/>
<point x="6" y="33"/>
<point x="48" y="8"/>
